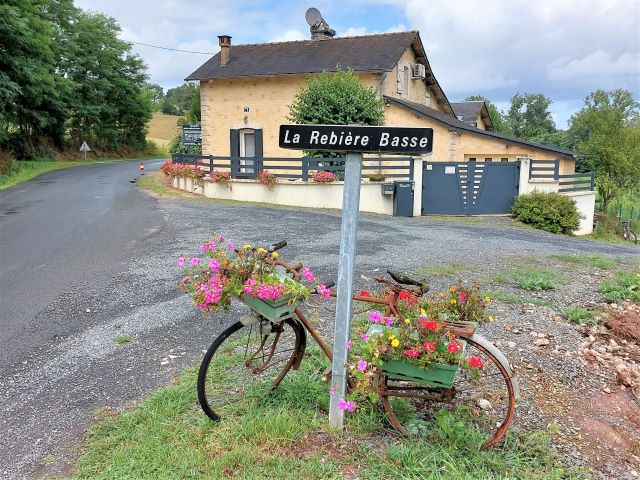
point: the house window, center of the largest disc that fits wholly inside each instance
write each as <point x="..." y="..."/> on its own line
<point x="247" y="143"/>
<point x="488" y="160"/>
<point x="504" y="160"/>
<point x="404" y="75"/>
<point x="472" y="159"/>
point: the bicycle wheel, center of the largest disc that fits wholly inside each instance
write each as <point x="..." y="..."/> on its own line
<point x="242" y="356"/>
<point x="630" y="235"/>
<point x="489" y="397"/>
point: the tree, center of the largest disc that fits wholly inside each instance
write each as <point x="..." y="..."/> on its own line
<point x="177" y="100"/>
<point x="156" y="94"/>
<point x="607" y="132"/>
<point x="338" y="99"/>
<point x="193" y="115"/>
<point x="529" y="117"/>
<point x="497" y="117"/>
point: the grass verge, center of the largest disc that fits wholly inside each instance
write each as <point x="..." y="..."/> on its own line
<point x="578" y="315"/>
<point x="446" y="269"/>
<point x="624" y="286"/>
<point x="594" y="261"/>
<point x="282" y="434"/>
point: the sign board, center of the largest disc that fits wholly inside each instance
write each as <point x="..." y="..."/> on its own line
<point x="84" y="147"/>
<point x="449" y="170"/>
<point x="345" y="138"/>
<point x="191" y="135"/>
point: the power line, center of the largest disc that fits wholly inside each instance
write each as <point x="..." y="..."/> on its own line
<point x="167" y="48"/>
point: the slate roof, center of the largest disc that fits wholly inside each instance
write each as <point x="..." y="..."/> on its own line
<point x="370" y="53"/>
<point x="452" y="122"/>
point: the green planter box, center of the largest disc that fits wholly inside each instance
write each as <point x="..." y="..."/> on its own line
<point x="435" y="375"/>
<point x="274" y="310"/>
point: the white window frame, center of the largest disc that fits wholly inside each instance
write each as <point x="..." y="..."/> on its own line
<point x="241" y="149"/>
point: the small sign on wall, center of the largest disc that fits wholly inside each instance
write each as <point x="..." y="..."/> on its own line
<point x="450" y="170"/>
<point x="429" y="167"/>
<point x="245" y="109"/>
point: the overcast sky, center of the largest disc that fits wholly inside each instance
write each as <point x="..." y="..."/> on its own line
<point x="562" y="48"/>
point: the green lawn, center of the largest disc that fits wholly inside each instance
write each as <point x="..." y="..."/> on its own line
<point x="284" y="435"/>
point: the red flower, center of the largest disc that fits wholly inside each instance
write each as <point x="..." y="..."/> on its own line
<point x="453" y="347"/>
<point x="475" y="362"/>
<point x="364" y="293"/>
<point x="429" y="346"/>
<point x="428" y="324"/>
<point x="407" y="297"/>
<point x="413" y="353"/>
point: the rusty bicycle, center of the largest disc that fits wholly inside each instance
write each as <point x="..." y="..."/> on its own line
<point x="266" y="345"/>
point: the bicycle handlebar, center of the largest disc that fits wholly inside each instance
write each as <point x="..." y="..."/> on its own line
<point x="277" y="246"/>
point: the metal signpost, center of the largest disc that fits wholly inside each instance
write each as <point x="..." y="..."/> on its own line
<point x="355" y="140"/>
<point x="85" y="148"/>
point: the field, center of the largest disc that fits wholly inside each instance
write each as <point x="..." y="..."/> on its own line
<point x="162" y="128"/>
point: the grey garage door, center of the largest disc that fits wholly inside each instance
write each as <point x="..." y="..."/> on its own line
<point x="469" y="188"/>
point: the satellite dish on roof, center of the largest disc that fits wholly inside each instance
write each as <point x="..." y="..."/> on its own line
<point x="313" y="16"/>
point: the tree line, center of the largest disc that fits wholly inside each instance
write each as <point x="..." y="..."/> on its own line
<point x="605" y="134"/>
<point x="65" y="78"/>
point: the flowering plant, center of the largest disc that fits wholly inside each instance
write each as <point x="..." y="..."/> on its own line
<point x="167" y="168"/>
<point x="268" y="179"/>
<point x="418" y="336"/>
<point x="219" y="176"/>
<point x="222" y="272"/>
<point x="323" y="177"/>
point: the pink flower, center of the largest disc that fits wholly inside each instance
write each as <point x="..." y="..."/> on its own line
<point x="203" y="247"/>
<point x="362" y="365"/>
<point x="346" y="405"/>
<point x="307" y="274"/>
<point x="389" y="321"/>
<point x="462" y="297"/>
<point x="214" y="265"/>
<point x="375" y="316"/>
<point x="221" y="238"/>
<point x="428" y="324"/>
<point x="186" y="278"/>
<point x="248" y="286"/>
<point x="475" y="362"/>
<point x="324" y="291"/>
<point x="348" y="345"/>
<point x="429" y="346"/>
<point x="194" y="262"/>
<point x="412" y="353"/>
<point x="230" y="245"/>
<point x="332" y="390"/>
<point x="364" y="337"/>
<point x="453" y="347"/>
<point x="181" y="262"/>
<point x="212" y="245"/>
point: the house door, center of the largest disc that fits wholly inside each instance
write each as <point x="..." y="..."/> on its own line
<point x="469" y="188"/>
<point x="246" y="153"/>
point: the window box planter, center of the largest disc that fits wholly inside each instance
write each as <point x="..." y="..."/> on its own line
<point x="175" y="182"/>
<point x="188" y="184"/>
<point x="434" y="375"/>
<point x="274" y="310"/>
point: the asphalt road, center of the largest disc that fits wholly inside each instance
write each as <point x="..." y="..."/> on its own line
<point x="63" y="229"/>
<point x="87" y="257"/>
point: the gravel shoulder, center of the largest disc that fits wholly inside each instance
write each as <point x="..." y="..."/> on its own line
<point x="48" y="400"/>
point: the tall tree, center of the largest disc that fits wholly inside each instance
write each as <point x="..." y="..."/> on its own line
<point x="497" y="117"/>
<point x="338" y="98"/>
<point x="607" y="132"/>
<point x="156" y="94"/>
<point x="529" y="116"/>
<point x="178" y="100"/>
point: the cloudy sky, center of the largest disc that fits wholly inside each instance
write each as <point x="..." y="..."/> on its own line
<point x="562" y="48"/>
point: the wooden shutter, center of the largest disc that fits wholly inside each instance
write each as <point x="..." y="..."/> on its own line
<point x="258" y="142"/>
<point x="234" y="143"/>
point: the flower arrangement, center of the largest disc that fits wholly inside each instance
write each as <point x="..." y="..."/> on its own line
<point x="419" y="336"/>
<point x="268" y="179"/>
<point x="222" y="177"/>
<point x="222" y="272"/>
<point x="170" y="168"/>
<point x="167" y="168"/>
<point x="323" y="177"/>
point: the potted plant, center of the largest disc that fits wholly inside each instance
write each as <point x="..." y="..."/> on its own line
<point x="268" y="179"/>
<point x="417" y="347"/>
<point x="323" y="176"/>
<point x="221" y="177"/>
<point x="252" y="275"/>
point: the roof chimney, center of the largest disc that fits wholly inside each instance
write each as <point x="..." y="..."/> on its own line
<point x="225" y="48"/>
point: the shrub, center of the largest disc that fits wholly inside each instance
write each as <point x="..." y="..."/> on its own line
<point x="323" y="177"/>
<point x="268" y="179"/>
<point x="551" y="212"/>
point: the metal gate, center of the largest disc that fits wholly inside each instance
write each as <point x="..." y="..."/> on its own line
<point x="469" y="188"/>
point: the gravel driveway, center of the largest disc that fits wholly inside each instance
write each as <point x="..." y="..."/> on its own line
<point x="49" y="400"/>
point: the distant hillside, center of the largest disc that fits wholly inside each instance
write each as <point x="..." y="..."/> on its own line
<point x="162" y="128"/>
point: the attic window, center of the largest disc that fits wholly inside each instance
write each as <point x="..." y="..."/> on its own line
<point x="403" y="77"/>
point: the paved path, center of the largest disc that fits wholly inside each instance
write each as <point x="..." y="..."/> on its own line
<point x="89" y="257"/>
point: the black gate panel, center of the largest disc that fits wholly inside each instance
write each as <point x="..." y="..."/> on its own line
<point x="469" y="188"/>
<point x="441" y="189"/>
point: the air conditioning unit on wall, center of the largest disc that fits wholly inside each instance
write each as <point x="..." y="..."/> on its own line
<point x="419" y="71"/>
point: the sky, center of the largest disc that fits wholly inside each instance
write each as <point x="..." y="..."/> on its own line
<point x="562" y="48"/>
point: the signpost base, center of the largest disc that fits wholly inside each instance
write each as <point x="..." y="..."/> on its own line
<point x="346" y="267"/>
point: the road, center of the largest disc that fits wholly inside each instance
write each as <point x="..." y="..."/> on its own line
<point x="88" y="258"/>
<point x="63" y="229"/>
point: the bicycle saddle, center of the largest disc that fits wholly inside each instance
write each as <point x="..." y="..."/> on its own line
<point x="406" y="280"/>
